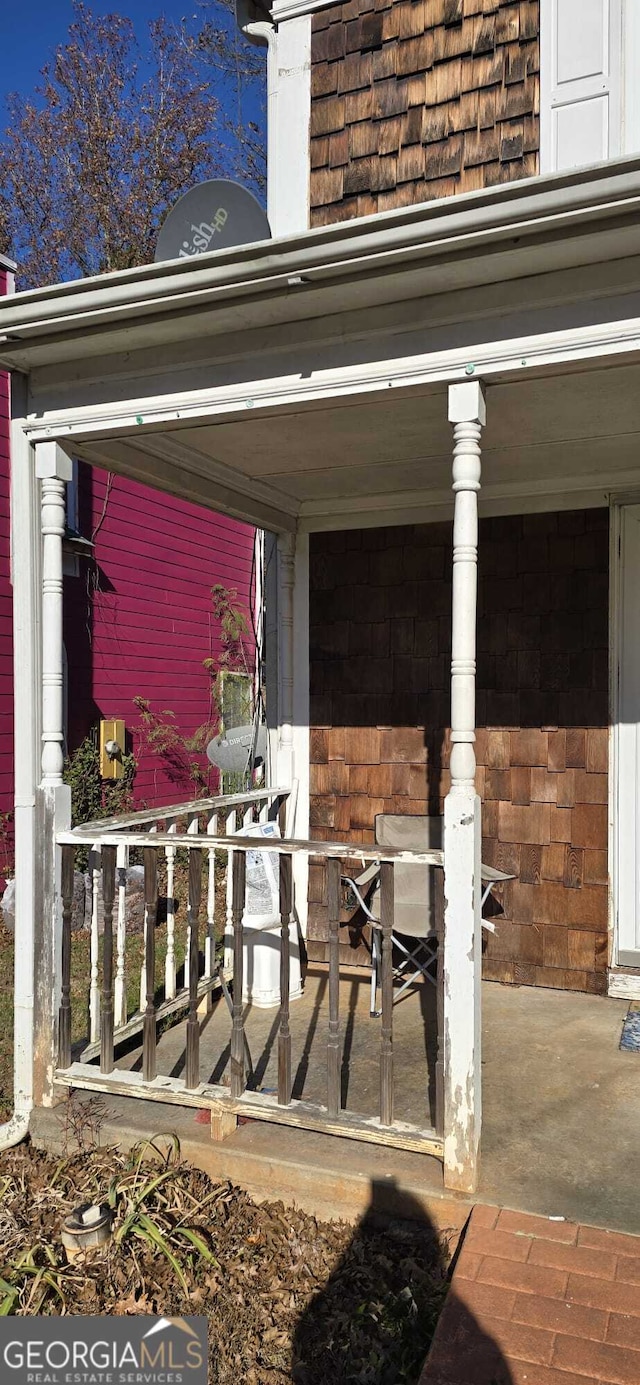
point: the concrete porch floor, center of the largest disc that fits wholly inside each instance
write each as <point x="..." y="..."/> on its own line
<point x="414" y="1037"/>
<point x="561" y="1119"/>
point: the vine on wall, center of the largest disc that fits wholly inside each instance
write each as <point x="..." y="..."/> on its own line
<point x="184" y="757"/>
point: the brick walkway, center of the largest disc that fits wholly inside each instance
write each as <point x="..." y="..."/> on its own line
<point x="537" y="1302"/>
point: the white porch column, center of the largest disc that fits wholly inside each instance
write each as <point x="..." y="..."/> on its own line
<point x="53" y="470"/>
<point x="462" y="944"/>
<point x="25" y="582"/>
<point x="293" y="698"/>
<point x="286" y="553"/>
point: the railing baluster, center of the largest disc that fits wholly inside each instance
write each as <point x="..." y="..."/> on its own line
<point x="150" y="914"/>
<point x="94" y="982"/>
<point x="150" y="827"/>
<point x="230" y="829"/>
<point x="193" y="830"/>
<point x="106" y="1014"/>
<point x="333" y="1042"/>
<point x="210" y="940"/>
<point x="386" y="1031"/>
<point x="192" y="1071"/>
<point x="438" y="879"/>
<point x="237" y="1026"/>
<point x="284" y="1035"/>
<point x="120" y="990"/>
<point x="170" y="959"/>
<point x="64" y="1024"/>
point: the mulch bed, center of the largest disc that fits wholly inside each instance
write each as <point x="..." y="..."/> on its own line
<point x="288" y="1298"/>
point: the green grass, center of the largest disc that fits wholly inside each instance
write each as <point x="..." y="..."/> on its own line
<point x="80" y="974"/>
<point x="81" y="965"/>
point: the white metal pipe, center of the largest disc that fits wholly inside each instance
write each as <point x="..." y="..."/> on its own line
<point x="263" y="33"/>
<point x="25" y="567"/>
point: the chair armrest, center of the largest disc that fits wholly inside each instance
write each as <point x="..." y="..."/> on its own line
<point x="362" y="887"/>
<point x="367" y="875"/>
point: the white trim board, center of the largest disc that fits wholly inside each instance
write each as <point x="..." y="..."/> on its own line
<point x="515" y="356"/>
<point x="624" y="985"/>
<point x="291" y="9"/>
<point x="289" y="167"/>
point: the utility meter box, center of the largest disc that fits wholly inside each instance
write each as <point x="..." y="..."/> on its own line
<point x="112" y="749"/>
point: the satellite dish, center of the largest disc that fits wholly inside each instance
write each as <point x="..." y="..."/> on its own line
<point x="212" y="216"/>
<point x="232" y="750"/>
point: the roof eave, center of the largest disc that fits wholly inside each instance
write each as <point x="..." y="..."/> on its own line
<point x="593" y="212"/>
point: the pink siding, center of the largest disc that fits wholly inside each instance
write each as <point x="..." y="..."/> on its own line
<point x="149" y="625"/>
<point x="138" y="623"/>
<point x="6" y="640"/>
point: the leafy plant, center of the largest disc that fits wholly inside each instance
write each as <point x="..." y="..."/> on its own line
<point x="181" y="755"/>
<point x="93" y="797"/>
<point x="6" y="843"/>
<point x="184" y="756"/>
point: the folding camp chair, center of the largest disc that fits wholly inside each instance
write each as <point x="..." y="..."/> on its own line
<point x="414" y="933"/>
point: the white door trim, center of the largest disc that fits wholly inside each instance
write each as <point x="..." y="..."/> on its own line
<point x="614" y="650"/>
<point x="618" y="504"/>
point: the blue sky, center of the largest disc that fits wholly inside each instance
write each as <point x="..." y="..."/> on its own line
<point x="31" y="32"/>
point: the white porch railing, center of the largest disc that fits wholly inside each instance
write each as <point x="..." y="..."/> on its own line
<point x="196" y="818"/>
<point x="196" y="828"/>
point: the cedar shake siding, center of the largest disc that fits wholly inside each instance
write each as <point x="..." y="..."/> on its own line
<point x="417" y="99"/>
<point x="380" y="650"/>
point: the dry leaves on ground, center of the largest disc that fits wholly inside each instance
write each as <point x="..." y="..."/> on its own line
<point x="288" y="1299"/>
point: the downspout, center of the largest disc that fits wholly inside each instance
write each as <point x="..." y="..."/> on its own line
<point x="16" y="1128"/>
<point x="256" y="24"/>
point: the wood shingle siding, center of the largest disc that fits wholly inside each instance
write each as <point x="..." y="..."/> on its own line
<point x="380" y="610"/>
<point x="418" y="99"/>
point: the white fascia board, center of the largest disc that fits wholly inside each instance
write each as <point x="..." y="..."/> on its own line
<point x="520" y="355"/>
<point x="292" y="9"/>
<point x="542" y="211"/>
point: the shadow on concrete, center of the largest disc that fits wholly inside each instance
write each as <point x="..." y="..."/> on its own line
<point x="383" y="1308"/>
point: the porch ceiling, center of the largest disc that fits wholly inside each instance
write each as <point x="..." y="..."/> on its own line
<point x="304" y="382"/>
<point x="553" y="440"/>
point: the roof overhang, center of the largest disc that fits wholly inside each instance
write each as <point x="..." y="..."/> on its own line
<point x="541" y="225"/>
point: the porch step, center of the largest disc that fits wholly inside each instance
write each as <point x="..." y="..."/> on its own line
<point x="325" y="1175"/>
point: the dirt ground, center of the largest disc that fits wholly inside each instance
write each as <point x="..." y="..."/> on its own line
<point x="288" y="1299"/>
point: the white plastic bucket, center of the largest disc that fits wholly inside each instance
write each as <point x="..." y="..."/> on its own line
<point x="261" y="938"/>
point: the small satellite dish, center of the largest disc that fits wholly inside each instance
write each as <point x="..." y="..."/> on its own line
<point x="232" y="749"/>
<point x="212" y="216"/>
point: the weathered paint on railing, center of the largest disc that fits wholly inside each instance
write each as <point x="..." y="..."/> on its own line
<point x="225" y="1103"/>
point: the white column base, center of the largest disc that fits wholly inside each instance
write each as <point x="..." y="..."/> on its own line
<point x="462" y="977"/>
<point x="54" y="815"/>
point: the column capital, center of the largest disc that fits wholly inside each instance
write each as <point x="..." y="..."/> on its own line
<point x="467" y="403"/>
<point x="52" y="462"/>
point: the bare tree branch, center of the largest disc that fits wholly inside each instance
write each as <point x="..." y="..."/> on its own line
<point x="113" y="135"/>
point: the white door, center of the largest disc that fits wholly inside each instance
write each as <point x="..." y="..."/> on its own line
<point x="628" y="742"/>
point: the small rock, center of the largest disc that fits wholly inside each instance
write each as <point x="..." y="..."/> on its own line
<point x="77" y="912"/>
<point x="8" y="905"/>
<point x="134" y="880"/>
